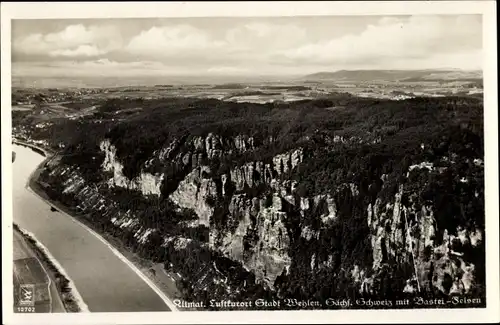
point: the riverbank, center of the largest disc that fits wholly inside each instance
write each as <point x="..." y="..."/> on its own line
<point x="63" y="295"/>
<point x="42" y="151"/>
<point x="164" y="286"/>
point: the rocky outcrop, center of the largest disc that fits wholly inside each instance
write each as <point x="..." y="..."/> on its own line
<point x="330" y="214"/>
<point x="243" y="143"/>
<point x="268" y="256"/>
<point x="307" y="233"/>
<point x="408" y="234"/>
<point x="387" y="229"/>
<point x="241" y="209"/>
<point x="257" y="172"/>
<point x="287" y="161"/>
<point x="446" y="262"/>
<point x="195" y="193"/>
<point x="90" y="200"/>
<point x="250" y="224"/>
<point x="146" y="183"/>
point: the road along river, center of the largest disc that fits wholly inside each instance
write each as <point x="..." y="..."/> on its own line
<point x="106" y="281"/>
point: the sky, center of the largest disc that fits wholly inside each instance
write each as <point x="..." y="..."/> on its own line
<point x="263" y="46"/>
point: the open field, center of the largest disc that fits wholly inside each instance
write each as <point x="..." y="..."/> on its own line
<point x="29" y="270"/>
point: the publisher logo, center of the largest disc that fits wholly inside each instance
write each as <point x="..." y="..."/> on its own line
<point x="27" y="295"/>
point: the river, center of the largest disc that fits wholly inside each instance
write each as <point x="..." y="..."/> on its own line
<point x="105" y="282"/>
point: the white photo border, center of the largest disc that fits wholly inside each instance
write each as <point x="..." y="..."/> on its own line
<point x="74" y="10"/>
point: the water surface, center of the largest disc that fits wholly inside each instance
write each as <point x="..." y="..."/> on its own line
<point x="104" y="281"/>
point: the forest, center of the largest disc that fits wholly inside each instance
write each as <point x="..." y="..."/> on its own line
<point x="346" y="140"/>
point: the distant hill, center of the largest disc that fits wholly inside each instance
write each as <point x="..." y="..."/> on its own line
<point x="397" y="75"/>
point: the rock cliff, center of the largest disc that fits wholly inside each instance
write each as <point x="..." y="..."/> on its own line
<point x="146" y="183"/>
<point x="256" y="215"/>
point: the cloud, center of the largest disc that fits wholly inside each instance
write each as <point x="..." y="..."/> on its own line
<point x="253" y="46"/>
<point x="82" y="50"/>
<point x="395" y="39"/>
<point x="72" y="41"/>
<point x="244" y="43"/>
<point x="260" y="36"/>
<point x="172" y="40"/>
